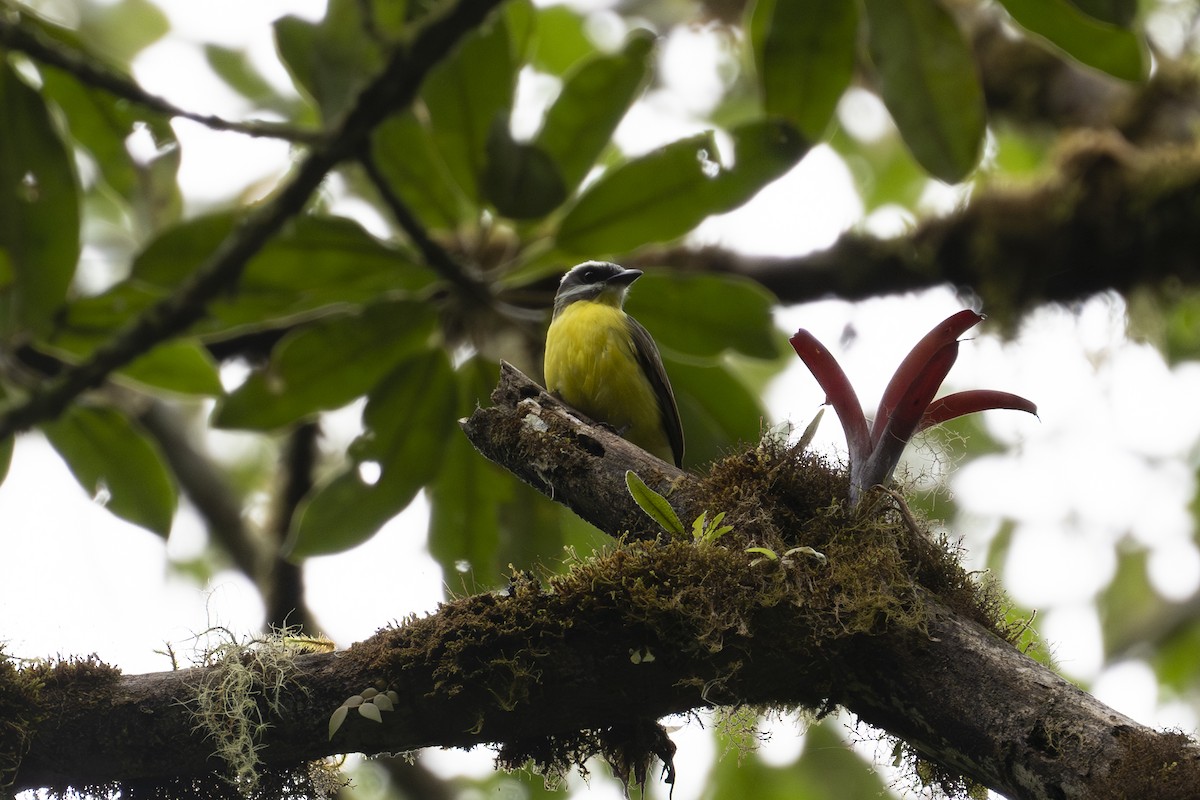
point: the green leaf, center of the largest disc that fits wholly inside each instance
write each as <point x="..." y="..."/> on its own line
<point x="124" y="28"/>
<point x="467" y="499"/>
<point x="763" y="150"/>
<point x="767" y="552"/>
<point x="6" y="453"/>
<point x="810" y="431"/>
<point x="641" y="201"/>
<point x="520" y="179"/>
<point x="666" y="193"/>
<point x="561" y="40"/>
<point x="39" y="209"/>
<point x="116" y="463"/>
<point x="408" y="418"/>
<point x="1115" y="12"/>
<point x="804" y="51"/>
<point x="182" y="366"/>
<point x="328" y="363"/>
<point x="594" y="98"/>
<point x="405" y="153"/>
<point x="102" y="124"/>
<point x="717" y="410"/>
<point x="241" y="74"/>
<point x="466" y="94"/>
<point x="331" y="60"/>
<point x="1119" y="52"/>
<point x="705" y="315"/>
<point x="314" y="263"/>
<point x="654" y="504"/>
<point x="928" y="81"/>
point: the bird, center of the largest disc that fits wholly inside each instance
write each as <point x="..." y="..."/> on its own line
<point x="603" y="363"/>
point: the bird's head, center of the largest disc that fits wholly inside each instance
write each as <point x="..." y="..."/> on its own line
<point x="595" y="281"/>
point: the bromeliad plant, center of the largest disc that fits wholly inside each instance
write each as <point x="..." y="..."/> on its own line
<point x="907" y="406"/>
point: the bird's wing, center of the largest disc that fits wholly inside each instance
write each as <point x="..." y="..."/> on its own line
<point x="648" y="356"/>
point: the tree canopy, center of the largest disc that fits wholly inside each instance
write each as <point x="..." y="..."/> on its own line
<point x="412" y="243"/>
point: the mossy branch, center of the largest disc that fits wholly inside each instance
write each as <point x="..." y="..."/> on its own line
<point x="1110" y="217"/>
<point x="888" y="625"/>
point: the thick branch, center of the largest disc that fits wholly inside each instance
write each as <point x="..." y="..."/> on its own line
<point x="393" y="88"/>
<point x="533" y="667"/>
<point x="1111" y="218"/>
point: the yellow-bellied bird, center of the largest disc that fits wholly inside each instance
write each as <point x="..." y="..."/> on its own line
<point x="602" y="362"/>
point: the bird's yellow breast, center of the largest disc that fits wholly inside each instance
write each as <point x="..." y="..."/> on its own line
<point x="591" y="364"/>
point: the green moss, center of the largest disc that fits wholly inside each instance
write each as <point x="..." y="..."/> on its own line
<point x="838" y="575"/>
<point x="21" y="688"/>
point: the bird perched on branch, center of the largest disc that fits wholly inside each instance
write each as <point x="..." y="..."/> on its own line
<point x="602" y="362"/>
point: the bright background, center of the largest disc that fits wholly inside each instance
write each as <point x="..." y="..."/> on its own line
<point x="1109" y="466"/>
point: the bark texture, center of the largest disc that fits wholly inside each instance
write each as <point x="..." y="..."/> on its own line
<point x="558" y="669"/>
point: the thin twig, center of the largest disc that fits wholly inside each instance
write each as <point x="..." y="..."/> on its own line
<point x="434" y="254"/>
<point x="205" y="485"/>
<point x="87" y="70"/>
<point x="395" y="87"/>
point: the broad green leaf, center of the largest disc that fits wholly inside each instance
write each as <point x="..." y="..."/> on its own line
<point x="561" y="40"/>
<point x="641" y="201"/>
<point x="520" y="179"/>
<point x="594" y="98"/>
<point x="102" y="124"/>
<point x="408" y="418"/>
<point x="469" y="494"/>
<point x="763" y="150"/>
<point x="6" y="453"/>
<point x="181" y="365"/>
<point x="386" y="20"/>
<point x="39" y="209"/>
<point x="6" y="449"/>
<point x="929" y="84"/>
<point x="466" y="94"/>
<point x="1177" y="324"/>
<point x="717" y="410"/>
<point x="705" y="315"/>
<point x="1115" y="12"/>
<point x="117" y="464"/>
<point x="666" y="193"/>
<point x="654" y="504"/>
<point x="804" y="51"/>
<point x="124" y="28"/>
<point x="331" y="60"/>
<point x="314" y="263"/>
<point x="521" y="18"/>
<point x="241" y="74"/>
<point x="1117" y="51"/>
<point x="88" y="322"/>
<point x="406" y="155"/>
<point x="327" y="364"/>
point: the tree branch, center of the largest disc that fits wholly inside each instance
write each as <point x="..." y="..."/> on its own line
<point x="588" y="662"/>
<point x="205" y="485"/>
<point x="1111" y="218"/>
<point x="393" y="88"/>
<point x="87" y="69"/>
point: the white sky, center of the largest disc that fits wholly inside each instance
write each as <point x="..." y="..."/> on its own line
<point x="1111" y="459"/>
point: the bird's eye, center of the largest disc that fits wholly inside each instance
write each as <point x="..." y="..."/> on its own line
<point x="590" y="275"/>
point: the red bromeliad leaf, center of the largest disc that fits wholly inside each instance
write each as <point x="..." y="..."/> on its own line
<point x="914" y="364"/>
<point x="905" y="417"/>
<point x="907" y="405"/>
<point x="956" y="405"/>
<point x="838" y="392"/>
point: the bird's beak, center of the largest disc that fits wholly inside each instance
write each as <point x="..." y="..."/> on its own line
<point x="624" y="277"/>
